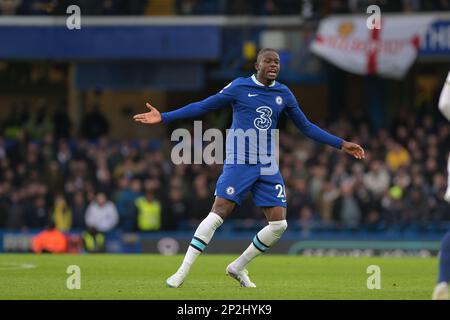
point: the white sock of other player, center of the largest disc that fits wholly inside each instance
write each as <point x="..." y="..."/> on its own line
<point x="265" y="238"/>
<point x="202" y="236"/>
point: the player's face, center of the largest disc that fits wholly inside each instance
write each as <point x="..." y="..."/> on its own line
<point x="268" y="65"/>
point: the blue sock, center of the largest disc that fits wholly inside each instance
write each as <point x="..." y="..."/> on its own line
<point x="444" y="259"/>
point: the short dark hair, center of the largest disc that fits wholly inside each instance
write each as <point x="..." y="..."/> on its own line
<point x="264" y="50"/>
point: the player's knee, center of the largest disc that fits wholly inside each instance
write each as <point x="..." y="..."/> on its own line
<point x="278" y="227"/>
<point x="222" y="207"/>
<point x="221" y="211"/>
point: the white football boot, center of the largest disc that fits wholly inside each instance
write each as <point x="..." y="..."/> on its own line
<point x="441" y="291"/>
<point x="240" y="276"/>
<point x="177" y="279"/>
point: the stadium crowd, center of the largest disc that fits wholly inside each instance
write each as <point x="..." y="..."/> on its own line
<point x="94" y="181"/>
<point x="307" y="8"/>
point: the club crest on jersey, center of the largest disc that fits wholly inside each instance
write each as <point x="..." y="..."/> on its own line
<point x="279" y="100"/>
<point x="230" y="190"/>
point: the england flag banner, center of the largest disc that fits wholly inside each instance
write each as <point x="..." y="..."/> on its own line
<point x="348" y="42"/>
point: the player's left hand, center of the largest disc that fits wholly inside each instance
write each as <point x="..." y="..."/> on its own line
<point x="354" y="149"/>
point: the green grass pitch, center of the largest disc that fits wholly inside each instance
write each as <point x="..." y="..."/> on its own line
<point x="28" y="276"/>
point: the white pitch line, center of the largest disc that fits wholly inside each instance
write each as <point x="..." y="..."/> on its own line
<point x="16" y="266"/>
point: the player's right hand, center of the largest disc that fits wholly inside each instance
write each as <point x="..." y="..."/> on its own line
<point x="151" y="117"/>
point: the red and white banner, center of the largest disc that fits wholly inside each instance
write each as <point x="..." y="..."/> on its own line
<point x="348" y="43"/>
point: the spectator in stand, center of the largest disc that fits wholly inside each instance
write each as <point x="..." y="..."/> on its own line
<point x="125" y="199"/>
<point x="396" y="156"/>
<point x="101" y="214"/>
<point x="15" y="214"/>
<point x="326" y="201"/>
<point x="304" y="220"/>
<point x="299" y="198"/>
<point x="62" y="214"/>
<point x="62" y="122"/>
<point x="175" y="206"/>
<point x="40" y="123"/>
<point x="53" y="177"/>
<point x="37" y="213"/>
<point x="94" y="124"/>
<point x="93" y="241"/>
<point x="103" y="177"/>
<point x="10" y="7"/>
<point x="377" y="180"/>
<point x="347" y="208"/>
<point x="201" y="199"/>
<point x="78" y="206"/>
<point x="148" y="212"/>
<point x="51" y="240"/>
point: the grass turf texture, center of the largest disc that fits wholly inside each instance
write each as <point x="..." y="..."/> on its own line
<point x="27" y="276"/>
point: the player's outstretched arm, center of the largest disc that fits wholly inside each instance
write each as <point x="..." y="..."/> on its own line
<point x="353" y="149"/>
<point x="192" y="110"/>
<point x="151" y="117"/>
<point x="314" y="132"/>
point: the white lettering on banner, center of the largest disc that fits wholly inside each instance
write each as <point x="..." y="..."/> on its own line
<point x="439" y="38"/>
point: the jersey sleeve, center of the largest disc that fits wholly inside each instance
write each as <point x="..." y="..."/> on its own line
<point x="193" y="110"/>
<point x="444" y="99"/>
<point x="308" y="128"/>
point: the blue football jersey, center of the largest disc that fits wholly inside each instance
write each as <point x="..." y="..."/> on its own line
<point x="256" y="111"/>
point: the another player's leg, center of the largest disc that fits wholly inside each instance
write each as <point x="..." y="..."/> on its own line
<point x="447" y="193"/>
<point x="262" y="241"/>
<point x="202" y="236"/>
<point x="441" y="291"/>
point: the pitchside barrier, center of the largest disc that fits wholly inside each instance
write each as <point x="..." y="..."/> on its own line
<point x="292" y="243"/>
